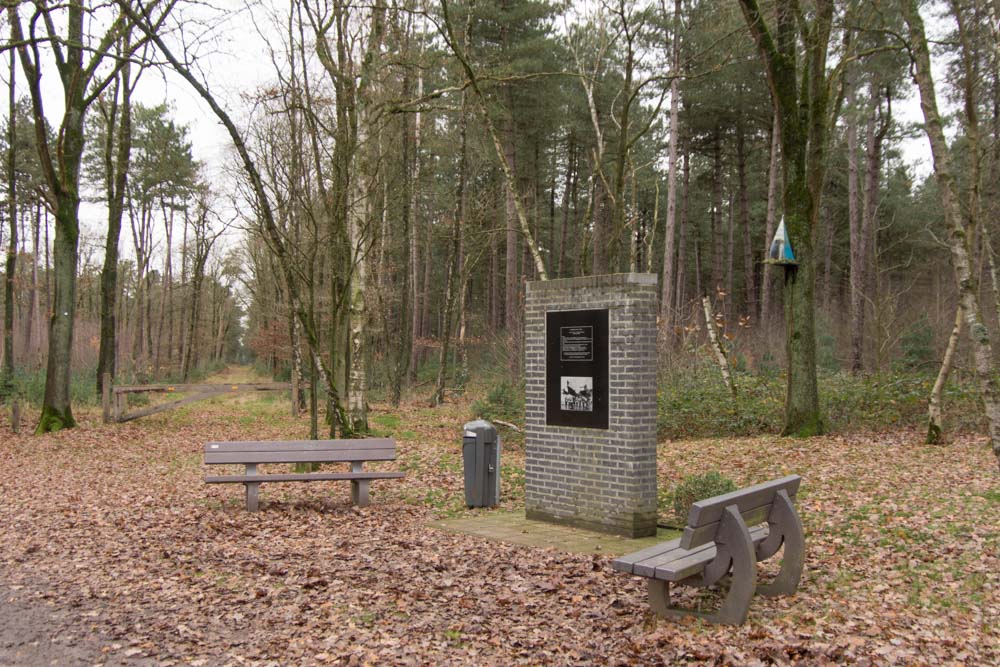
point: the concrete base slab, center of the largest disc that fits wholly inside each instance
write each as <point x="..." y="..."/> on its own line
<point x="515" y="528"/>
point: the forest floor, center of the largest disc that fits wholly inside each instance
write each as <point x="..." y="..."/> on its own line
<point x="114" y="551"/>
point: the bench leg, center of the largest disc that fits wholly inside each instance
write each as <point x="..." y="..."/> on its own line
<point x="735" y="551"/>
<point x="785" y="528"/>
<point x="359" y="487"/>
<point x="735" y="538"/>
<point x="359" y="492"/>
<point x="252" y="488"/>
<point x="252" y="495"/>
<point x="659" y="598"/>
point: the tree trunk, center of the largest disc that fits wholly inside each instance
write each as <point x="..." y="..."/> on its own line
<point x="35" y="313"/>
<point x="601" y="239"/>
<point x="618" y="223"/>
<point x="404" y="345"/>
<point x="220" y="337"/>
<point x="716" y="344"/>
<point x="858" y="251"/>
<point x="357" y="390"/>
<point x="959" y="234"/>
<point x="699" y="267"/>
<point x="56" y="410"/>
<point x="934" y="414"/>
<point x="551" y="264"/>
<point x="567" y="199"/>
<point x="359" y="218"/>
<point x="800" y="90"/>
<point x="455" y="282"/>
<point x="730" y="302"/>
<point x="167" y="312"/>
<point x="680" y="295"/>
<point x="414" y="239"/>
<point x="767" y="279"/>
<point x="117" y="180"/>
<point x="749" y="282"/>
<point x="828" y="232"/>
<point x="717" y="233"/>
<point x="142" y="250"/>
<point x="192" y="323"/>
<point x="510" y="267"/>
<point x="161" y="315"/>
<point x="7" y="376"/>
<point x="496" y="319"/>
<point x="667" y="302"/>
<point x="875" y="136"/>
<point x="425" y="302"/>
<point x="182" y="324"/>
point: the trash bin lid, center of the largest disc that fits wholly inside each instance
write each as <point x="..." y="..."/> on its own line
<point x="478" y="424"/>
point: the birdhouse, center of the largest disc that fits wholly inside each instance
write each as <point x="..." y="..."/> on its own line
<point x="780" y="251"/>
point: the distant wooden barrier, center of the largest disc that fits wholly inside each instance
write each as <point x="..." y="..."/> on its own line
<point x="114" y="400"/>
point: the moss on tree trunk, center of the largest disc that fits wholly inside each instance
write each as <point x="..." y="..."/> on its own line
<point x="53" y="420"/>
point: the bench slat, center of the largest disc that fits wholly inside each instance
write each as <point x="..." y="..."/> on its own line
<point x="686" y="566"/>
<point x="627" y="562"/>
<point x="647" y="568"/>
<point x="706" y="533"/>
<point x="298" y="456"/>
<point x="678" y="564"/>
<point x="671" y="552"/>
<point x="645" y="562"/>
<point x="302" y="477"/>
<point x="710" y="510"/>
<point x="300" y="445"/>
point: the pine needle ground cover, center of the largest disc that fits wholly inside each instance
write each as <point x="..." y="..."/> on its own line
<point x="109" y="537"/>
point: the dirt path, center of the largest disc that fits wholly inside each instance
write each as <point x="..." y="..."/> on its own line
<point x="35" y="630"/>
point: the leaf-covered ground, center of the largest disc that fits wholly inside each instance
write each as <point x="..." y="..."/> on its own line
<point x="110" y="530"/>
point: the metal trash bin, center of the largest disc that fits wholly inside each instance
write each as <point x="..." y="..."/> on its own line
<point x="481" y="456"/>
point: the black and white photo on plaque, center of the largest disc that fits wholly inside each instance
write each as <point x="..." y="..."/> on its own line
<point x="578" y="394"/>
<point x="576" y="368"/>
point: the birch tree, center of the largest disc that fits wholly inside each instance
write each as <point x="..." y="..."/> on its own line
<point x="962" y="227"/>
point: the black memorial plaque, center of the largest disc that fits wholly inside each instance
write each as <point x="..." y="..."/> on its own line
<point x="576" y="368"/>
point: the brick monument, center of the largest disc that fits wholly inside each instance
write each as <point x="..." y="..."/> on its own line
<point x="590" y="410"/>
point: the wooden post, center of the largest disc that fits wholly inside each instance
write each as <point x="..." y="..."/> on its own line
<point x="106" y="397"/>
<point x="15" y="416"/>
<point x="118" y="398"/>
<point x="295" y="394"/>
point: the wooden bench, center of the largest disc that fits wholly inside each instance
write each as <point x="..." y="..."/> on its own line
<point x="253" y="454"/>
<point x="726" y="536"/>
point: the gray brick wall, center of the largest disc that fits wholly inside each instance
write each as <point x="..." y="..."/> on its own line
<point x="599" y="479"/>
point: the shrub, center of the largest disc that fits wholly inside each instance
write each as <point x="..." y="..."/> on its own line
<point x="698" y="487"/>
<point x="30" y="385"/>
<point x="694" y="402"/>
<point x="503" y="401"/>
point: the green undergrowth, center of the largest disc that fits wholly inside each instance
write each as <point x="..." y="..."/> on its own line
<point x="693" y="402"/>
<point x="502" y="401"/>
<point x="29" y="383"/>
